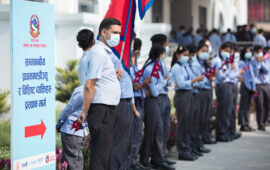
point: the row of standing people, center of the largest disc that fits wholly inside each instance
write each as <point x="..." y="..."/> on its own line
<point x="115" y="109"/>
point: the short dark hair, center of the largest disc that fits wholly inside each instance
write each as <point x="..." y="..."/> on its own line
<point x="226" y="45"/>
<point x="260" y="31"/>
<point x="107" y="23"/>
<point x="137" y="44"/>
<point x="191" y="48"/>
<point x="257" y="48"/>
<point x="159" y="39"/>
<point x="85" y="38"/>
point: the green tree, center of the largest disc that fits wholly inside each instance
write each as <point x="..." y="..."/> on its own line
<point x="4" y="107"/>
<point x="66" y="81"/>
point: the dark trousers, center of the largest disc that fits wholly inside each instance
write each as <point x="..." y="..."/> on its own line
<point x="224" y="93"/>
<point x="72" y="151"/>
<point x="152" y="144"/>
<point x="244" y="108"/>
<point x="183" y="105"/>
<point x="207" y="134"/>
<point x="205" y="106"/>
<point x="233" y="113"/>
<point x="165" y="110"/>
<point x="137" y="131"/>
<point x="262" y="104"/>
<point x="101" y="120"/>
<point x="195" y="137"/>
<point x="122" y="140"/>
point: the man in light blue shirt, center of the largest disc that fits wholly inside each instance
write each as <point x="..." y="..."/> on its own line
<point x="70" y="137"/>
<point x="120" y="154"/>
<point x="229" y="37"/>
<point x="198" y="37"/>
<point x="101" y="93"/>
<point x="215" y="41"/>
<point x="259" y="39"/>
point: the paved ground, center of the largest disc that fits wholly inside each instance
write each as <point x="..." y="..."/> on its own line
<point x="250" y="152"/>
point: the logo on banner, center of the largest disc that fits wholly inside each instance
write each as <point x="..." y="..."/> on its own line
<point x="34" y="26"/>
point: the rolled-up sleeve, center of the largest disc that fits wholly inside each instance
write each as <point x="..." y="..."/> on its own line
<point x="95" y="66"/>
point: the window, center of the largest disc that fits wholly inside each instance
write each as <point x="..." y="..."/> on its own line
<point x="89" y="6"/>
<point x="157" y="11"/>
<point x="259" y="11"/>
<point x="202" y="13"/>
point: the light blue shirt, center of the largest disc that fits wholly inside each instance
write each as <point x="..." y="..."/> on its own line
<point x="224" y="75"/>
<point x="262" y="71"/>
<point x="206" y="83"/>
<point x="71" y="113"/>
<point x="215" y="41"/>
<point x="229" y="37"/>
<point x="249" y="80"/>
<point x="234" y="74"/>
<point x="125" y="81"/>
<point x="157" y="84"/>
<point x="260" y="40"/>
<point x="139" y="93"/>
<point x="180" y="76"/>
<point x="188" y="39"/>
<point x="81" y="74"/>
<point x="180" y="38"/>
<point x="197" y="39"/>
<point x="165" y="73"/>
<point x="98" y="65"/>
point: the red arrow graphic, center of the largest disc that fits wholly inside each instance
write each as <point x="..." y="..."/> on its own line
<point x="35" y="130"/>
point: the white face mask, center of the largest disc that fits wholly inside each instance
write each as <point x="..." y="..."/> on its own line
<point x="114" y="40"/>
<point x="167" y="50"/>
<point x="210" y="49"/>
<point x="236" y="57"/>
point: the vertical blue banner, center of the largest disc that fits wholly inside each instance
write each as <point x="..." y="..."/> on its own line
<point x="33" y="90"/>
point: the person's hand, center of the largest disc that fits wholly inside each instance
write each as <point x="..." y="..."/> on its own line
<point x="241" y="79"/>
<point x="147" y="92"/>
<point x="200" y="78"/>
<point x="241" y="71"/>
<point x="82" y="117"/>
<point x="137" y="114"/>
<point x="119" y="74"/>
<point x="233" y="66"/>
<point x="148" y="80"/>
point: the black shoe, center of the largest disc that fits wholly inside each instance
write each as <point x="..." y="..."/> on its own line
<point x="210" y="141"/>
<point x="143" y="167"/>
<point x="197" y="152"/>
<point x="169" y="162"/>
<point x="250" y="129"/>
<point x="222" y="139"/>
<point x="204" y="150"/>
<point x="237" y="135"/>
<point x="163" y="166"/>
<point x="187" y="157"/>
<point x="139" y="167"/>
<point x="244" y="129"/>
<point x="262" y="129"/>
<point x="147" y="165"/>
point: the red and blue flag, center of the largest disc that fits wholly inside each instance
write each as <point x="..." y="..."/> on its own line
<point x="124" y="11"/>
<point x="143" y="6"/>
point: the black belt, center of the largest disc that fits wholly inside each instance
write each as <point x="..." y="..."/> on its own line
<point x="126" y="100"/>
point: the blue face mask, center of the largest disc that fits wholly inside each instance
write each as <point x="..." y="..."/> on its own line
<point x="184" y="59"/>
<point x="259" y="55"/>
<point x="204" y="56"/>
<point x="225" y="55"/>
<point x="236" y="57"/>
<point x="248" y="55"/>
<point x="194" y="58"/>
<point x="167" y="50"/>
<point x="114" y="40"/>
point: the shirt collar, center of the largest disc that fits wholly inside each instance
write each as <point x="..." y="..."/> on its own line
<point x="108" y="49"/>
<point x="86" y="52"/>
